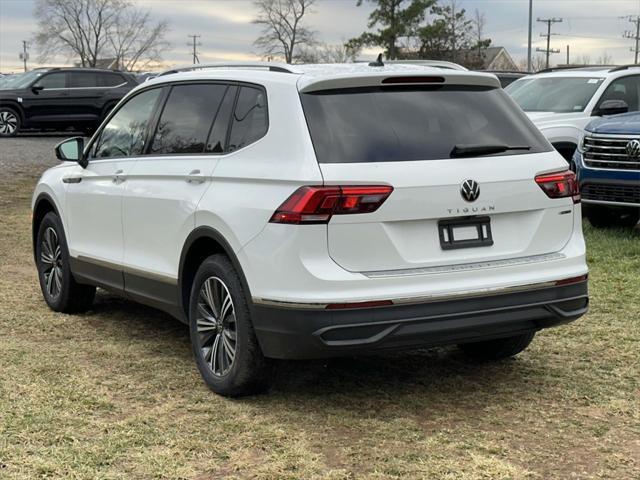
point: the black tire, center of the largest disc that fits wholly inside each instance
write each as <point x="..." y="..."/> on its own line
<point x="603" y="217"/>
<point x="247" y="371"/>
<point x="59" y="289"/>
<point x="10" y="122"/>
<point x="498" y="348"/>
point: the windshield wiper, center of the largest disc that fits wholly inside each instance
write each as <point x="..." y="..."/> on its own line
<point x="475" y="150"/>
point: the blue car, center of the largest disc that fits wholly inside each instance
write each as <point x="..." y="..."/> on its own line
<point x="607" y="163"/>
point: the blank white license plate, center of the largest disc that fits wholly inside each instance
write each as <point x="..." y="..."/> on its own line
<point x="465" y="233"/>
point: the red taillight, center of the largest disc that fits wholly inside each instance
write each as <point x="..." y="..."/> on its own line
<point x="560" y="185"/>
<point x="313" y="205"/>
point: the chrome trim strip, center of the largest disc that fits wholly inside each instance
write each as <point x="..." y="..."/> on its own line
<point x="83" y="88"/>
<point x="464" y="267"/>
<point x="417" y="300"/>
<point x="607" y="202"/>
<point x="133" y="271"/>
<point x="612" y="136"/>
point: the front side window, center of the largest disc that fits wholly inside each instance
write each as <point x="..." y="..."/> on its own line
<point x="554" y="94"/>
<point x="250" y="119"/>
<point x="393" y="124"/>
<point x="626" y="89"/>
<point x="125" y="134"/>
<point x="53" y="80"/>
<point x="187" y="118"/>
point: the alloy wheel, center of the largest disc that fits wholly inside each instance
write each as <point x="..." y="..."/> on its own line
<point x="216" y="326"/>
<point x="8" y="122"/>
<point x="51" y="258"/>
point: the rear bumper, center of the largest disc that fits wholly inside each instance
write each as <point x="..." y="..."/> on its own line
<point x="297" y="333"/>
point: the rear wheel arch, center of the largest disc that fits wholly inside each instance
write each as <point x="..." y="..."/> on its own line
<point x="43" y="205"/>
<point x="201" y="244"/>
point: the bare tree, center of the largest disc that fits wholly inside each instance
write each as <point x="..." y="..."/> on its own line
<point x="478" y="21"/>
<point x="325" y="53"/>
<point x="91" y="30"/>
<point x="537" y="63"/>
<point x="283" y="30"/>
<point x="584" y="59"/>
<point x="136" y="41"/>
<point x="605" y="59"/>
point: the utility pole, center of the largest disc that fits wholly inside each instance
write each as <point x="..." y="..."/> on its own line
<point x="549" y="50"/>
<point x="195" y="44"/>
<point x="530" y="31"/>
<point x="635" y="36"/>
<point x="24" y="56"/>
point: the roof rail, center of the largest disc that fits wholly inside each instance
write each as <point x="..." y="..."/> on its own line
<point x="624" y="67"/>
<point x="572" y="67"/>
<point x="271" y="66"/>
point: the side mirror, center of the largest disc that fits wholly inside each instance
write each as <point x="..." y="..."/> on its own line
<point x="71" y="150"/>
<point x="611" y="107"/>
<point x="37" y="89"/>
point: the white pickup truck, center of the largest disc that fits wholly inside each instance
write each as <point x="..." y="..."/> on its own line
<point x="562" y="102"/>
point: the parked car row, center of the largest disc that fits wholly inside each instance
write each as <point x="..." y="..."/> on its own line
<point x="61" y="98"/>
<point x="591" y="116"/>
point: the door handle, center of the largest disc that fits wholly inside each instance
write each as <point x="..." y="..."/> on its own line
<point x="195" y="177"/>
<point x="118" y="178"/>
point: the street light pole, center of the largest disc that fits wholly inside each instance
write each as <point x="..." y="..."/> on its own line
<point x="530" y="31"/>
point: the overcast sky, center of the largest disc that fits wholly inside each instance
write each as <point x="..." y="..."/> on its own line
<point x="590" y="27"/>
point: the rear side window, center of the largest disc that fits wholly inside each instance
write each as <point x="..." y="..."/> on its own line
<point x="187" y="118"/>
<point x="383" y="124"/>
<point x="110" y="79"/>
<point x="83" y="80"/>
<point x="125" y="134"/>
<point x="250" y="120"/>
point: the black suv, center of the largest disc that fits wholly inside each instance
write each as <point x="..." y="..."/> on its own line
<point x="59" y="98"/>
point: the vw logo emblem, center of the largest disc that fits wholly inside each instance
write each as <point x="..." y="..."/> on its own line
<point x="470" y="190"/>
<point x="633" y="149"/>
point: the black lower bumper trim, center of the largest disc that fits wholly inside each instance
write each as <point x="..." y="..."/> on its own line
<point x="303" y="334"/>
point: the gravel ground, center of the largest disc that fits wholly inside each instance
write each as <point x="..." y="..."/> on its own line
<point x="29" y="155"/>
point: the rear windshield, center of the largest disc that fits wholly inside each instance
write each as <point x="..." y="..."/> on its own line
<point x="391" y="124"/>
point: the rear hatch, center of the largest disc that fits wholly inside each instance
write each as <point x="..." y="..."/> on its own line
<point x="460" y="158"/>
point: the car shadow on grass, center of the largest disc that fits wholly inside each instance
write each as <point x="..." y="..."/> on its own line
<point x="436" y="375"/>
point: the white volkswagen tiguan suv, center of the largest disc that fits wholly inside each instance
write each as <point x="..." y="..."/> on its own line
<point x="312" y="211"/>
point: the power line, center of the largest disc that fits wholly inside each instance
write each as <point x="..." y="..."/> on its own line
<point x="195" y="44"/>
<point x="548" y="51"/>
<point x="634" y="36"/>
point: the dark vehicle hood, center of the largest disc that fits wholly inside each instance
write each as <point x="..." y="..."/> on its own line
<point x="626" y="123"/>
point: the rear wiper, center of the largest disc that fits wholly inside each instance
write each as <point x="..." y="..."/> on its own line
<point x="474" y="150"/>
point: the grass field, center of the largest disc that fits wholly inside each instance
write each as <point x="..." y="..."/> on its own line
<point x="114" y="393"/>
